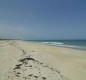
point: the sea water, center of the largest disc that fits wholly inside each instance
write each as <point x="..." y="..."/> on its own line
<point x="75" y="44"/>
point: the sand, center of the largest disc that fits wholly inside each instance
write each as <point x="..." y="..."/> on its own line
<point x="22" y="60"/>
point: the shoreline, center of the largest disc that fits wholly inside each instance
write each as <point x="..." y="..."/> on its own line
<point x="57" y="62"/>
<point x="65" y="46"/>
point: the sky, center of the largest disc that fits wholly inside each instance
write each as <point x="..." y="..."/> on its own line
<point x="42" y="19"/>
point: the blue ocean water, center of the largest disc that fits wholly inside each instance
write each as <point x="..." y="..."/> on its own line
<point x="75" y="44"/>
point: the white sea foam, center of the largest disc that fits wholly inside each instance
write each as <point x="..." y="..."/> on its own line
<point x="60" y="44"/>
<point x="71" y="46"/>
<point x="53" y="43"/>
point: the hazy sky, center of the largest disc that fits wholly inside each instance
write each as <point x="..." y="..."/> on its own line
<point x="43" y="19"/>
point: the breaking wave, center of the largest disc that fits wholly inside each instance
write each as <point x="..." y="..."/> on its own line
<point x="53" y="43"/>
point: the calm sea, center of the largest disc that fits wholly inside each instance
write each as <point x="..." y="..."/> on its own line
<point x="76" y="44"/>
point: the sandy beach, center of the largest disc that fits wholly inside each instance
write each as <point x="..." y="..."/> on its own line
<point x="22" y="60"/>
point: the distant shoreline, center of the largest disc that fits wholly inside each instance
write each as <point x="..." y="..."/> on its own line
<point x="72" y="44"/>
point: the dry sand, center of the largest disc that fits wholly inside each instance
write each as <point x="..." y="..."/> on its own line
<point x="21" y="60"/>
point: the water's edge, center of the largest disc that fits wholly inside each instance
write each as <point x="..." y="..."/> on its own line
<point x="74" y="44"/>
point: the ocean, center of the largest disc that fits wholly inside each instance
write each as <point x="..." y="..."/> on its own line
<point x="75" y="44"/>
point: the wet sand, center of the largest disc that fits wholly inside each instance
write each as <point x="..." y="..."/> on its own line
<point x="21" y="60"/>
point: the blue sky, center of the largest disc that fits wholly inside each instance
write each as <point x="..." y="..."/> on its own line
<point x="43" y="19"/>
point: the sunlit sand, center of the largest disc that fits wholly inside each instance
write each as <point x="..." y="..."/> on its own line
<point x="21" y="60"/>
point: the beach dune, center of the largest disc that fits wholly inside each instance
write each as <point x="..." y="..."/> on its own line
<point x="21" y="60"/>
